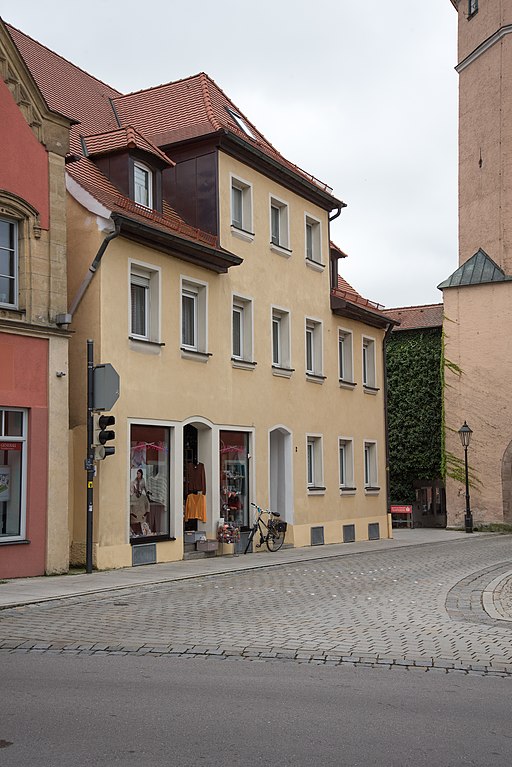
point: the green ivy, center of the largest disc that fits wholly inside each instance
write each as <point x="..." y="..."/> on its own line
<point x="414" y="371"/>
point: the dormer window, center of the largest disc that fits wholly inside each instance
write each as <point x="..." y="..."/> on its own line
<point x="142" y="185"/>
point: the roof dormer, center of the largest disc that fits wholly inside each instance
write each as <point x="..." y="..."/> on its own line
<point x="131" y="162"/>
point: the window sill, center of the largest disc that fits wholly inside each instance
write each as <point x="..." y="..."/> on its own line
<point x="315" y="265"/>
<point x="144" y="342"/>
<point x="370" y="389"/>
<point x="14" y="542"/>
<point x="316" y="490"/>
<point x="242" y="364"/>
<point x="348" y="490"/>
<point x="372" y="490"/>
<point x="192" y="354"/>
<point x="12" y="310"/>
<point x="347" y="384"/>
<point x="283" y="372"/>
<point x="242" y="234"/>
<point x="136" y="540"/>
<point x="315" y="378"/>
<point x="280" y="249"/>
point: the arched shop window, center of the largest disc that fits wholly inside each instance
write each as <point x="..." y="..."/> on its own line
<point x="234" y="477"/>
<point x="13" y="462"/>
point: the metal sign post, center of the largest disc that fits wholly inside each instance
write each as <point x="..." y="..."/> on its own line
<point x="102" y="394"/>
<point x="89" y="462"/>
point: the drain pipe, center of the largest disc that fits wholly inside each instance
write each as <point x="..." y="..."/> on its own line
<point x="338" y="211"/>
<point x="386" y="428"/>
<point x="66" y="319"/>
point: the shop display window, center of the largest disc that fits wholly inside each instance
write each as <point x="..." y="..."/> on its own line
<point x="13" y="427"/>
<point x="234" y="476"/>
<point x="149" y="482"/>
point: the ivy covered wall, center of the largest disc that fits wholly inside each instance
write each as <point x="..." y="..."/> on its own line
<point x="414" y="409"/>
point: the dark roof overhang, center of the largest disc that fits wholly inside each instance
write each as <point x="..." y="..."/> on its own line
<point x="285" y="175"/>
<point x="258" y="160"/>
<point x="197" y="253"/>
<point x="375" y="319"/>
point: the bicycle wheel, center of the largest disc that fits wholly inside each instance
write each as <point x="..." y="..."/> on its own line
<point x="275" y="538"/>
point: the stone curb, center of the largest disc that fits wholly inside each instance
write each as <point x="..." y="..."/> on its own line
<point x="489" y="594"/>
<point x="256" y="654"/>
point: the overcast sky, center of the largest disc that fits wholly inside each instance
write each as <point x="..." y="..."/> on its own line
<point x="360" y="93"/>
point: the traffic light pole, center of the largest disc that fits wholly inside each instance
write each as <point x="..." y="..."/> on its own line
<point x="89" y="462"/>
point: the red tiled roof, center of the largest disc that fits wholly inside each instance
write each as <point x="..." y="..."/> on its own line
<point x="337" y="250"/>
<point x="67" y="89"/>
<point x="152" y="118"/>
<point x="72" y="92"/>
<point x="417" y="317"/>
<point x="123" y="138"/>
<point x="346" y="291"/>
<point x="190" y="108"/>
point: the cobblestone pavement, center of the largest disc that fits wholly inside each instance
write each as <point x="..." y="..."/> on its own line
<point x="421" y="607"/>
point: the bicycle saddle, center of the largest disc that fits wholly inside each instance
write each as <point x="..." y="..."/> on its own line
<point x="276" y="513"/>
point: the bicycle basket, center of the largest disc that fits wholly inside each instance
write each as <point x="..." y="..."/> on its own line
<point x="280" y="527"/>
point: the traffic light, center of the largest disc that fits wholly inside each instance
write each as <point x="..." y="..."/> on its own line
<point x="102" y="434"/>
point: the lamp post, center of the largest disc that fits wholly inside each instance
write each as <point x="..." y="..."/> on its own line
<point x="465" y="437"/>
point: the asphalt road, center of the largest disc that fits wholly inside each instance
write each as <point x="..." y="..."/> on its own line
<point x="91" y="710"/>
<point x="380" y="658"/>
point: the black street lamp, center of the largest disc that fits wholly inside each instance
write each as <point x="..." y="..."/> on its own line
<point x="465" y="437"/>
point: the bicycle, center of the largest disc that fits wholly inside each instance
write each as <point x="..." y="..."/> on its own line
<point x="272" y="532"/>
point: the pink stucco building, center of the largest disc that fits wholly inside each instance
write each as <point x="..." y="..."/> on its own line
<point x="478" y="295"/>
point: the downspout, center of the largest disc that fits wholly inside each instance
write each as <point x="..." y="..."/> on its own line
<point x="386" y="431"/>
<point x="338" y="211"/>
<point x="66" y="319"/>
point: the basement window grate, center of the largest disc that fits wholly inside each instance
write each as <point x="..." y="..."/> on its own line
<point x="349" y="533"/>
<point x="317" y="536"/>
<point x="144" y="554"/>
<point x="373" y="531"/>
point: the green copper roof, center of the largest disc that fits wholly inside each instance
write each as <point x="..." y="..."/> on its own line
<point x="478" y="270"/>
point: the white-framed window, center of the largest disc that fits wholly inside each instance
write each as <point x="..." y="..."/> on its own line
<point x="8" y="263"/>
<point x="144" y="302"/>
<point x="313" y="240"/>
<point x="345" y="357"/>
<point x="313" y="341"/>
<point x="346" y="463"/>
<point x="13" y="473"/>
<point x="281" y="339"/>
<point x="242" y="329"/>
<point x="142" y="185"/>
<point x="370" y="466"/>
<point x="194" y="316"/>
<point x="279" y="225"/>
<point x="369" y="368"/>
<point x="314" y="462"/>
<point x="241" y="208"/>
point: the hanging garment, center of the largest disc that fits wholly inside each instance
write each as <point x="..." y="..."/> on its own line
<point x="195" y="507"/>
<point x="195" y="478"/>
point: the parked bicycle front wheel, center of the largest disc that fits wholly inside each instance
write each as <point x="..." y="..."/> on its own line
<point x="275" y="539"/>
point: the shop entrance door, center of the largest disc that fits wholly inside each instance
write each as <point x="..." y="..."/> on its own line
<point x="280" y="471"/>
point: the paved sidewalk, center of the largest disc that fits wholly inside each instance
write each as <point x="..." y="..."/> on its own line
<point x="23" y="591"/>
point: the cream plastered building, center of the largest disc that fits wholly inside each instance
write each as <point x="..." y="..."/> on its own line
<point x="478" y="295"/>
<point x="200" y="264"/>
